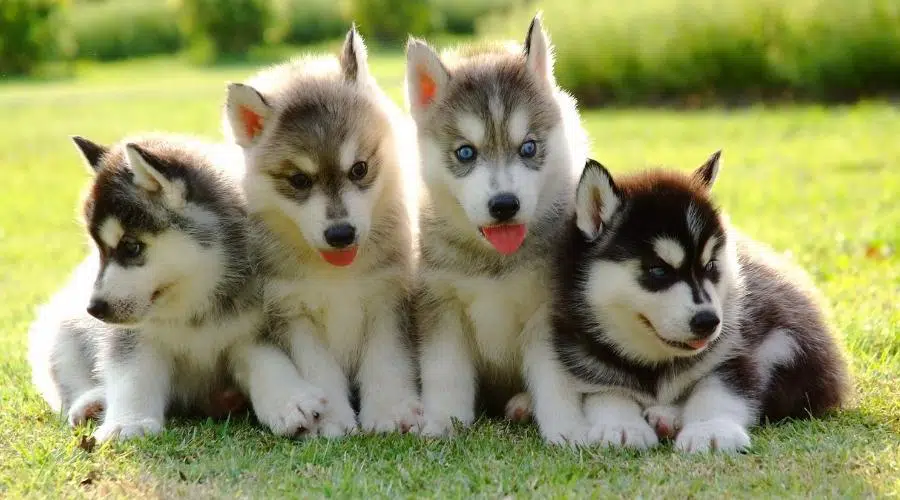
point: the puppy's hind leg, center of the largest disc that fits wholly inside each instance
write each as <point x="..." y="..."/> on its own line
<point x="87" y="406"/>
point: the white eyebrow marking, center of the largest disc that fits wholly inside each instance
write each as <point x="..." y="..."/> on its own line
<point x="347" y="153"/>
<point x="695" y="223"/>
<point x="111" y="232"/>
<point x="472" y="128"/>
<point x="670" y="251"/>
<point x="518" y="126"/>
<point x="706" y="254"/>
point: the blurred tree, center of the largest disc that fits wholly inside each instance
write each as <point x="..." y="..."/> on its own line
<point x="222" y="28"/>
<point x="391" y="21"/>
<point x="26" y="34"/>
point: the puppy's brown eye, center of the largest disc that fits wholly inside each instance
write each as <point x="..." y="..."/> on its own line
<point x="130" y="249"/>
<point x="300" y="181"/>
<point x="358" y="171"/>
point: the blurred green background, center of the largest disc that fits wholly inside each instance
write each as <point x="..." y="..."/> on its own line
<point x="682" y="52"/>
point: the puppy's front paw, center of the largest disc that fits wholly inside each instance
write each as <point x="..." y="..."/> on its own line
<point x="295" y="414"/>
<point x="436" y="427"/>
<point x="519" y="408"/>
<point x="574" y="434"/>
<point x="405" y="416"/>
<point x="665" y="420"/>
<point x="336" y="424"/>
<point x="712" y="435"/>
<point x="127" y="429"/>
<point x="635" y="434"/>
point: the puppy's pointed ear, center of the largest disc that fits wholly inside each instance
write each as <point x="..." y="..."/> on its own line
<point x="90" y="151"/>
<point x="426" y="77"/>
<point x="707" y="173"/>
<point x="539" y="51"/>
<point x="153" y="175"/>
<point x="596" y="200"/>
<point x="247" y="113"/>
<point x="354" y="57"/>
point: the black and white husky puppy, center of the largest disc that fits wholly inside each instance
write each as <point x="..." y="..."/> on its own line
<point x="166" y="316"/>
<point x="676" y="325"/>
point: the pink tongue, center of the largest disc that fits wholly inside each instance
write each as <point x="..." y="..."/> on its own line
<point x="506" y="238"/>
<point x="339" y="258"/>
<point x="697" y="344"/>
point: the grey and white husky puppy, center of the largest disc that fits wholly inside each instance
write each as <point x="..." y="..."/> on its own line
<point x="676" y="325"/>
<point x="166" y="315"/>
<point x="325" y="152"/>
<point x="501" y="147"/>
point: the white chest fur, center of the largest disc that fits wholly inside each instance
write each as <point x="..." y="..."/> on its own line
<point x="338" y="309"/>
<point x="202" y="346"/>
<point x="497" y="310"/>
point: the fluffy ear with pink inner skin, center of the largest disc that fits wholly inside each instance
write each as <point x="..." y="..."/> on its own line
<point x="247" y="112"/>
<point x="539" y="51"/>
<point x="426" y="77"/>
<point x="354" y="58"/>
<point x="707" y="173"/>
<point x="152" y="175"/>
<point x="90" y="151"/>
<point x="596" y="200"/>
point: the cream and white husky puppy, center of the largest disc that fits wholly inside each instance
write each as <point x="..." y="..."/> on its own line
<point x="326" y="188"/>
<point x="501" y="149"/>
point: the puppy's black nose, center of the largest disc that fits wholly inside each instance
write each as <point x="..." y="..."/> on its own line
<point x="340" y="235"/>
<point x="98" y="308"/>
<point x="704" y="323"/>
<point x="503" y="206"/>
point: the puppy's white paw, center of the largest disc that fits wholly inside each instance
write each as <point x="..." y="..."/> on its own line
<point x="519" y="408"/>
<point x="88" y="406"/>
<point x="574" y="434"/>
<point x="712" y="435"/>
<point x="295" y="414"/>
<point x="436" y="427"/>
<point x="336" y="424"/>
<point x="405" y="416"/>
<point x="664" y="419"/>
<point x="127" y="429"/>
<point x="635" y="434"/>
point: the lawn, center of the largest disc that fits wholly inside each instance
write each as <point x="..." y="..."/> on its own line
<point x="821" y="184"/>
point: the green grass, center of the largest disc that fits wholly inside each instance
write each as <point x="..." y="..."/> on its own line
<point x="819" y="183"/>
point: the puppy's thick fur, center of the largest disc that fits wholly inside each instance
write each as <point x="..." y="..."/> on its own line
<point x="174" y="322"/>
<point x="325" y="152"/>
<point x="501" y="147"/>
<point x="679" y="326"/>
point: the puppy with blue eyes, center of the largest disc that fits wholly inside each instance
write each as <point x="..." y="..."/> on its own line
<point x="330" y="202"/>
<point x="501" y="147"/>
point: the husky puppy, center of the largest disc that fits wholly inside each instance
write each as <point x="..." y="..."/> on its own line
<point x="175" y="319"/>
<point x="327" y="190"/>
<point x="501" y="147"/>
<point x="678" y="325"/>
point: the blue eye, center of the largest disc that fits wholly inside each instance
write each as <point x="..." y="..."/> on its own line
<point x="528" y="149"/>
<point x="657" y="272"/>
<point x="465" y="154"/>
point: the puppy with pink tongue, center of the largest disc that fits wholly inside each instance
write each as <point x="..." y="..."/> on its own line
<point x="327" y="188"/>
<point x="500" y="149"/>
